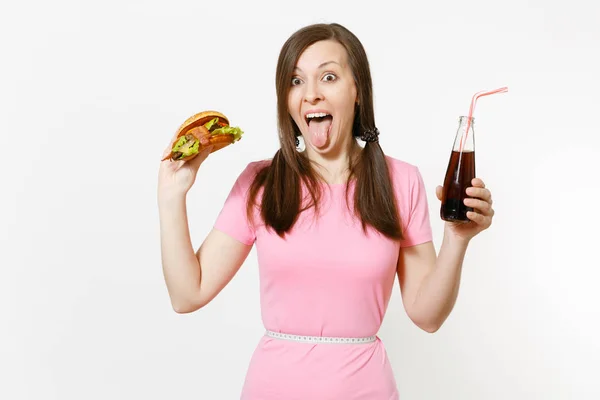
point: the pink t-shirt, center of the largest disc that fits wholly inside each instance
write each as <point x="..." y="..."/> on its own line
<point x="325" y="278"/>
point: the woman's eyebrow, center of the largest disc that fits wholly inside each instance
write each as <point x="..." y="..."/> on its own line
<point x="320" y="66"/>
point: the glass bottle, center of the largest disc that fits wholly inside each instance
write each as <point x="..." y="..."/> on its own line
<point x="459" y="174"/>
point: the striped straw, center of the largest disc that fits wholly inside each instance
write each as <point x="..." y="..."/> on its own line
<point x="472" y="108"/>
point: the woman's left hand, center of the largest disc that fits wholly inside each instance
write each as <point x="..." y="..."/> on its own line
<point x="481" y="216"/>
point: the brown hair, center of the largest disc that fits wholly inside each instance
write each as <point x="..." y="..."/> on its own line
<point x="374" y="200"/>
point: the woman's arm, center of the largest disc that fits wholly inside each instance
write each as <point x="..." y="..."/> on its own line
<point x="194" y="279"/>
<point x="430" y="283"/>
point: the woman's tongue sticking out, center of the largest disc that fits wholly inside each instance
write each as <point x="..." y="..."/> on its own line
<point x="319" y="129"/>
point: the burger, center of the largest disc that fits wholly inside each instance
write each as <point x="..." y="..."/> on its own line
<point x="207" y="128"/>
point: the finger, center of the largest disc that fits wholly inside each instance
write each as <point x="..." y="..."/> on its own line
<point x="479" y="219"/>
<point x="207" y="151"/>
<point x="199" y="159"/>
<point x="478" y="182"/>
<point x="480" y="193"/>
<point x="438" y="192"/>
<point x="166" y="154"/>
<point x="481" y="206"/>
<point x="169" y="148"/>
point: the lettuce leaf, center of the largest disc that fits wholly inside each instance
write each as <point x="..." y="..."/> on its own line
<point x="182" y="140"/>
<point x="188" y="151"/>
<point x="210" y="123"/>
<point x="229" y="130"/>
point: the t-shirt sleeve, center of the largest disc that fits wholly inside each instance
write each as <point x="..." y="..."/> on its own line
<point x="416" y="223"/>
<point x="232" y="218"/>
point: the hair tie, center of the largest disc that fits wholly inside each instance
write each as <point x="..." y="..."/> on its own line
<point x="371" y="135"/>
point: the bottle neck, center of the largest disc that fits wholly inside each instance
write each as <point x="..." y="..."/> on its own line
<point x="465" y="134"/>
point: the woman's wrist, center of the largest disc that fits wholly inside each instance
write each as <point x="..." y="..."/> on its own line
<point x="170" y="198"/>
<point x="453" y="239"/>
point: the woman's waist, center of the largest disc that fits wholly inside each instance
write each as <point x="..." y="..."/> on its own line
<point x="320" y="338"/>
<point x="320" y="326"/>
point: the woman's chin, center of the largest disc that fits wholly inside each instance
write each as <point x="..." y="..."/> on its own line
<point x="331" y="148"/>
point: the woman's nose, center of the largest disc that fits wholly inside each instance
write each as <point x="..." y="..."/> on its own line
<point x="313" y="93"/>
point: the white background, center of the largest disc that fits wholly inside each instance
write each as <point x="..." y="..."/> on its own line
<point x="91" y="93"/>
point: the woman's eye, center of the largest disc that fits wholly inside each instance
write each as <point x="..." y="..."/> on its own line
<point x="295" y="81"/>
<point x="329" y="78"/>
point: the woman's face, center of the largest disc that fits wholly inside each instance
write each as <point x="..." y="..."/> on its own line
<point x="323" y="96"/>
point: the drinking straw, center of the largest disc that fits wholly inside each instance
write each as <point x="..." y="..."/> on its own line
<point x="472" y="108"/>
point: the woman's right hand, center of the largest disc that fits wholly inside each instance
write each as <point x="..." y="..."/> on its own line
<point x="175" y="178"/>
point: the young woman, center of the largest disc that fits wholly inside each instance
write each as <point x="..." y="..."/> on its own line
<point x="333" y="223"/>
